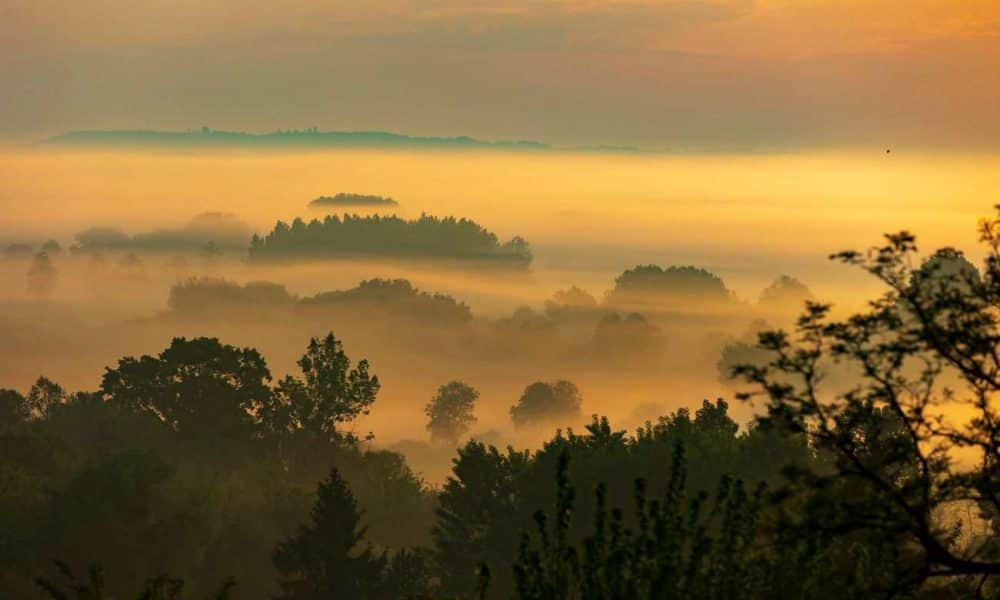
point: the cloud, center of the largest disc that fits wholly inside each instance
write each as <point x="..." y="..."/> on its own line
<point x="673" y="73"/>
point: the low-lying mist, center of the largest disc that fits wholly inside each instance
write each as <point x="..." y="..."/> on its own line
<point x="644" y="271"/>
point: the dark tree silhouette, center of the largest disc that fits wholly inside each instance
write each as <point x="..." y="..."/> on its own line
<point x="394" y="298"/>
<point x="13" y="408"/>
<point x="549" y="402"/>
<point x="628" y="340"/>
<point x="450" y="412"/>
<point x="69" y="586"/>
<point x="221" y="298"/>
<point x="347" y="199"/>
<point x="785" y="292"/>
<point x="570" y="300"/>
<point x="220" y="230"/>
<point x="330" y="392"/>
<point x="199" y="387"/>
<point x="649" y="286"/>
<point x="915" y="436"/>
<point x="476" y="516"/>
<point x="43" y="397"/>
<point x="324" y="558"/>
<point x="388" y="236"/>
<point x="680" y="548"/>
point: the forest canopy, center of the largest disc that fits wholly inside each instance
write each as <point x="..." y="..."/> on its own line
<point x="221" y="230"/>
<point x="652" y="285"/>
<point x="427" y="237"/>
<point x="346" y="199"/>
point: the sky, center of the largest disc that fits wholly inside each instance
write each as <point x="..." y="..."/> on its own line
<point x="674" y="74"/>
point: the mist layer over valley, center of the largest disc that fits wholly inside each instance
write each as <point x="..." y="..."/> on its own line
<point x="148" y="246"/>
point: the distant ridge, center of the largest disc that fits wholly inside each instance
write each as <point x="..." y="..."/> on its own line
<point x="296" y="139"/>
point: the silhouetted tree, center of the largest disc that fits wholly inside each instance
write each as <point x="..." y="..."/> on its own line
<point x="199" y="387"/>
<point x="544" y="402"/>
<point x="393" y="299"/>
<point x="324" y="558"/>
<point x="679" y="548"/>
<point x="570" y="299"/>
<point x="43" y="397"/>
<point x="224" y="299"/>
<point x="785" y="293"/>
<point x="330" y="392"/>
<point x="673" y="287"/>
<point x="69" y="586"/>
<point x="450" y="412"/>
<point x="629" y="340"/>
<point x="476" y="516"/>
<point x="347" y="199"/>
<point x="409" y="574"/>
<point x="743" y="350"/>
<point x="375" y="235"/>
<point x="220" y="230"/>
<point x="13" y="408"/>
<point x="924" y="397"/>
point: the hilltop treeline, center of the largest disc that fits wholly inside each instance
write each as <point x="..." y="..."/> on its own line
<point x="311" y="136"/>
<point x="346" y="199"/>
<point x="428" y="237"/>
<point x="388" y="236"/>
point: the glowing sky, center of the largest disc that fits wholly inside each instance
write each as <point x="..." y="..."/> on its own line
<point x="720" y="74"/>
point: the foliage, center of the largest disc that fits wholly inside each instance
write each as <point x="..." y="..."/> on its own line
<point x="223" y="231"/>
<point x="345" y="199"/>
<point x="914" y="436"/>
<point x="69" y="586"/>
<point x="627" y="340"/>
<point x="90" y="479"/>
<point x="450" y="412"/>
<point x="492" y="495"/>
<point x="652" y="286"/>
<point x="545" y="402"/>
<point x="322" y="560"/>
<point x="570" y="300"/>
<point x="476" y="515"/>
<point x="43" y="397"/>
<point x="785" y="292"/>
<point x="395" y="298"/>
<point x="199" y="387"/>
<point x="388" y="236"/>
<point x="214" y="297"/>
<point x="680" y="548"/>
<point x="13" y="408"/>
<point x="330" y="392"/>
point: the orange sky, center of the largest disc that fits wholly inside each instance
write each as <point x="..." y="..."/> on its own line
<point x="732" y="74"/>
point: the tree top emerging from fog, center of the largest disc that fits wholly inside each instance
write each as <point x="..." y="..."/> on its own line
<point x="427" y="237"/>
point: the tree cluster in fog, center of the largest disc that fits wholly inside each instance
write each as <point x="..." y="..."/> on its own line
<point x="871" y="470"/>
<point x="193" y="462"/>
<point x="428" y="237"/>
<point x="345" y="199"/>
<point x="207" y="232"/>
<point x="547" y="402"/>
